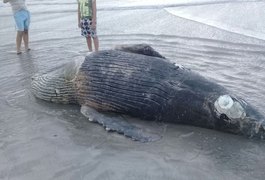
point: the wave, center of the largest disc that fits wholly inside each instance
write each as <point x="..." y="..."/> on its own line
<point x="245" y="18"/>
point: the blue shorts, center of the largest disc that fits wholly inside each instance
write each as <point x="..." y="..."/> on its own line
<point x="22" y="19"/>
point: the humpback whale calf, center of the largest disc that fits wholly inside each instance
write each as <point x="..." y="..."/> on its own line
<point x="137" y="81"/>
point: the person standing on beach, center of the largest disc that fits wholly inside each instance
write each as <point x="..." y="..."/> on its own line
<point x="22" y="19"/>
<point x="87" y="21"/>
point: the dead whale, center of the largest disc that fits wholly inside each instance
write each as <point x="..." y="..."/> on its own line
<point x="139" y="82"/>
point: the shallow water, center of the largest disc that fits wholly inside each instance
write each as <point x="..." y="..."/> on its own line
<point x="40" y="140"/>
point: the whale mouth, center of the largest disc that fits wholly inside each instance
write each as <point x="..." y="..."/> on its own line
<point x="58" y="85"/>
<point x="53" y="89"/>
<point x="225" y="104"/>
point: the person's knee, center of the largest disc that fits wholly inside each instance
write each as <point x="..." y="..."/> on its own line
<point x="20" y="33"/>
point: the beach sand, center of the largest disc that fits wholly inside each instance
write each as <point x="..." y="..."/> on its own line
<point x="41" y="140"/>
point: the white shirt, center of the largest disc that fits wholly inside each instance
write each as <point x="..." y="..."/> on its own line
<point x="17" y="5"/>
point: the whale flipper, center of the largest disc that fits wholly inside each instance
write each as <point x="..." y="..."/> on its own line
<point x="143" y="49"/>
<point x="114" y="122"/>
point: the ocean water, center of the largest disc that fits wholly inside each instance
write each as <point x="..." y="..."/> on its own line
<point x="220" y="39"/>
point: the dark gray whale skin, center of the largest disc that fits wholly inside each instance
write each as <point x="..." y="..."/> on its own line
<point x="139" y="82"/>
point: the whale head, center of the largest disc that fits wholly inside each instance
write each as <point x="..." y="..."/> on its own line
<point x="58" y="85"/>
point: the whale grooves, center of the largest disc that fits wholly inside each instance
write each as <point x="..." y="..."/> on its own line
<point x="137" y="81"/>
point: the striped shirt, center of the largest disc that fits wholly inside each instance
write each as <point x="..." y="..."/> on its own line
<point x="86" y="8"/>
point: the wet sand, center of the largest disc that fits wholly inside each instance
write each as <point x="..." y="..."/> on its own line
<point x="41" y="140"/>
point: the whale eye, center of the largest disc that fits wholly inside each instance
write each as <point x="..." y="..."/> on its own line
<point x="230" y="107"/>
<point x="224" y="117"/>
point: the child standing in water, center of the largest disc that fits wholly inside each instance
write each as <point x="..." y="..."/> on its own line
<point x="22" y="19"/>
<point x="87" y="21"/>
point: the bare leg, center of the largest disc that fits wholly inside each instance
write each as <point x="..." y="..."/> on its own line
<point x="96" y="43"/>
<point x="18" y="41"/>
<point x="26" y="40"/>
<point x="89" y="43"/>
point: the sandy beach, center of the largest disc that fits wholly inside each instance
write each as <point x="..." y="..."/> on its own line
<point x="221" y="40"/>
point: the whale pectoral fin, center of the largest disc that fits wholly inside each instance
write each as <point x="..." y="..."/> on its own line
<point x="143" y="49"/>
<point x="114" y="122"/>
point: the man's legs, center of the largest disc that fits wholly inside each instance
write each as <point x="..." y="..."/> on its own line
<point x="89" y="43"/>
<point x="22" y="19"/>
<point x="96" y="43"/>
<point x="26" y="39"/>
<point x="18" y="41"/>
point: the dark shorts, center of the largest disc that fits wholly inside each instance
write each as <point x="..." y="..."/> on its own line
<point x="86" y="29"/>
